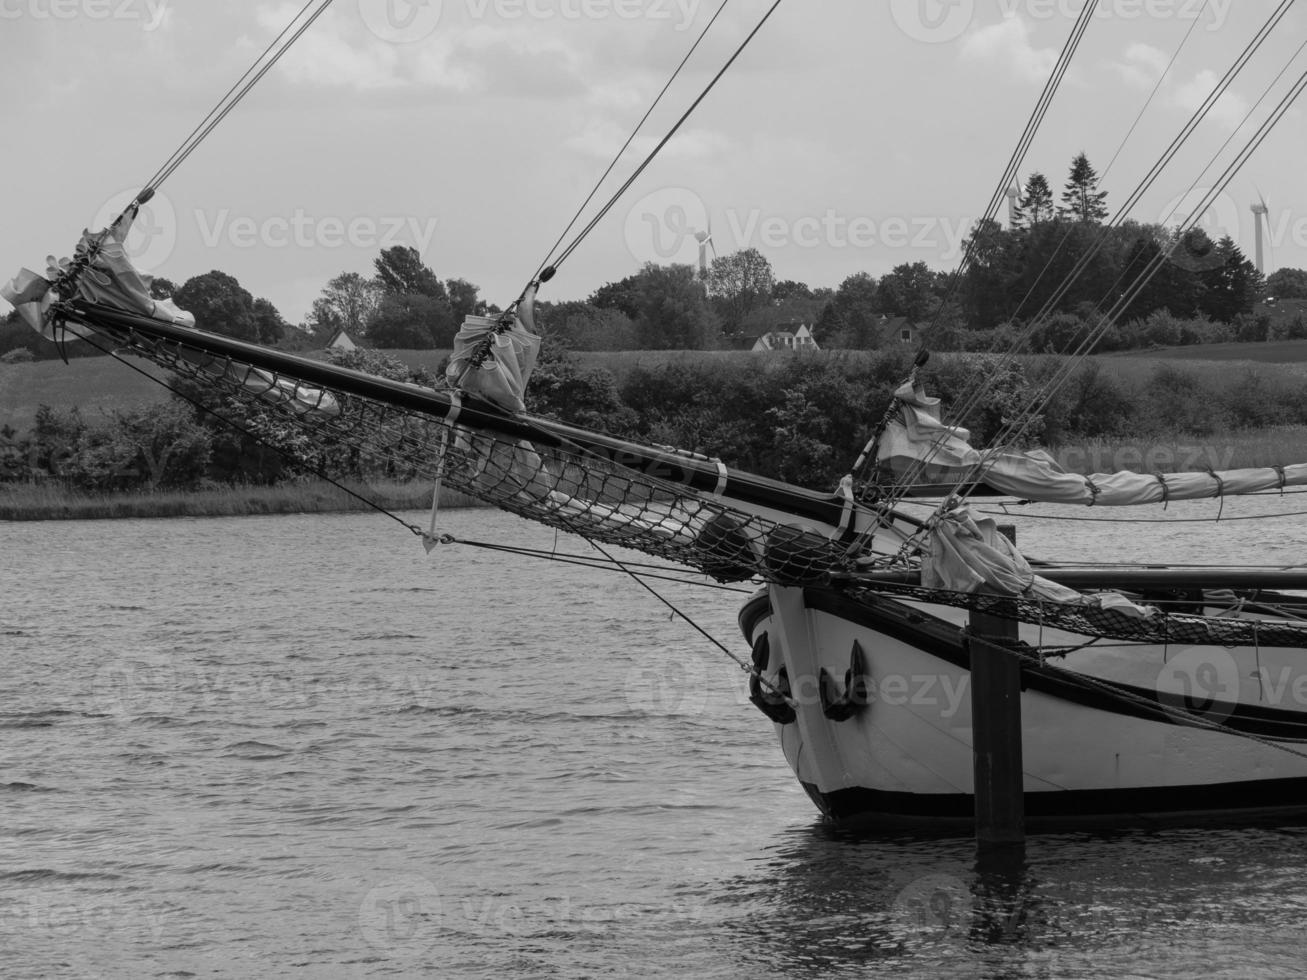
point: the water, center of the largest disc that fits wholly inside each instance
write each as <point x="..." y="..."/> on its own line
<point x="299" y="745"/>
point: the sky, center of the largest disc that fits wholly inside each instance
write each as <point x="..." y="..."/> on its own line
<point x="850" y="136"/>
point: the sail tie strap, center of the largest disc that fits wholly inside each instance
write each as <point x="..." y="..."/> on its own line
<point x="1220" y="491"/>
<point x="1166" y="491"/>
<point x="1094" y="491"/>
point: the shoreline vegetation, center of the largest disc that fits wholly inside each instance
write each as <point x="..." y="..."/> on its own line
<point x="52" y="501"/>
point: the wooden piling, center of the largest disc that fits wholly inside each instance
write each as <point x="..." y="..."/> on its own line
<point x="996" y="727"/>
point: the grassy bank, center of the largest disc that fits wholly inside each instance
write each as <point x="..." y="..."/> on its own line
<point x="49" y="501"/>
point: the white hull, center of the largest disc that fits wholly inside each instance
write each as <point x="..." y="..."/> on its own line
<point x="1088" y="754"/>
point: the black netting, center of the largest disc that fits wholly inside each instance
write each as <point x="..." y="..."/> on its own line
<point x="581" y="490"/>
<point x="565" y="486"/>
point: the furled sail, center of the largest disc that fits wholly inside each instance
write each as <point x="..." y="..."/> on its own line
<point x="917" y="448"/>
<point x="103" y="273"/>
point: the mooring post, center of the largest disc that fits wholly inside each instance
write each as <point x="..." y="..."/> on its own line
<point x="996" y="727"/>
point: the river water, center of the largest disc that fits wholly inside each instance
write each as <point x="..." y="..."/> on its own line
<point x="301" y="746"/>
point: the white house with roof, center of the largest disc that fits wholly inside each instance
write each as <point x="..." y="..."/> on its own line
<point x="787" y="337"/>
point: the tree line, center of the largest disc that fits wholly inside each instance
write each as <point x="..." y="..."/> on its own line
<point x="1051" y="273"/>
<point x="802" y="419"/>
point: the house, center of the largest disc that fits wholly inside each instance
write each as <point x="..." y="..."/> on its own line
<point x="899" y="330"/>
<point x="786" y="336"/>
<point x="342" y="341"/>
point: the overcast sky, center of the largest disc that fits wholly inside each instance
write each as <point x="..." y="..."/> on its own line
<point x="852" y="135"/>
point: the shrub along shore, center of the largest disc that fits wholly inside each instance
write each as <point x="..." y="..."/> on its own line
<point x="802" y="418"/>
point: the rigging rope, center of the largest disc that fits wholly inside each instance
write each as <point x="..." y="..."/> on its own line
<point x="664" y="141"/>
<point x="970" y="399"/>
<point x="634" y="132"/>
<point x="223" y="106"/>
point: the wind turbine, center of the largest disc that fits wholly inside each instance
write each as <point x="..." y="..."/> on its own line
<point x="704" y="238"/>
<point x="1013" y="193"/>
<point x="1260" y="210"/>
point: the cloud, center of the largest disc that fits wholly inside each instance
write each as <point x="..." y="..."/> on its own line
<point x="1230" y="109"/>
<point x="1143" y="65"/>
<point x="1008" y="44"/>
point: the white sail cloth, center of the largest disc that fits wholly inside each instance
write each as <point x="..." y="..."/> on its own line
<point x="503" y="374"/>
<point x="918" y="447"/>
<point x="108" y="279"/>
<point x="966" y="555"/>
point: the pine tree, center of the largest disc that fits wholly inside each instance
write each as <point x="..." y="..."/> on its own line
<point x="1036" y="203"/>
<point x="1081" y="197"/>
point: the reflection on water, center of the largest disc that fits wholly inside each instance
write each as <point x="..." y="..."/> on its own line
<point x="1158" y="904"/>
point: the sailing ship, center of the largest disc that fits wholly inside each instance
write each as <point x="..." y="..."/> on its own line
<point x="1141" y="690"/>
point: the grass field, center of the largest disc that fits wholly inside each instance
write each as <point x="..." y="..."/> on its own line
<point x="1272" y="352"/>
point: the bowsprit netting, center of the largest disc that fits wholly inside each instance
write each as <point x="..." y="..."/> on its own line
<point x="535" y="474"/>
<point x="1093" y="620"/>
<point x="625" y="498"/>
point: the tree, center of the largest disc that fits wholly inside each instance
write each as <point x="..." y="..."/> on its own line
<point x="674" y="313"/>
<point x="1287" y="284"/>
<point x="269" y="325"/>
<point x="623" y="295"/>
<point x="739" y="283"/>
<point x="909" y="290"/>
<point x="1081" y="198"/>
<point x="988" y="290"/>
<point x="412" y="321"/>
<point x="414" y="309"/>
<point x="348" y="303"/>
<point x="1035" y="205"/>
<point x="1232" y="286"/>
<point x="220" y="304"/>
<point x="791" y="289"/>
<point x="584" y="326"/>
<point x="400" y="269"/>
<point x="852" y="316"/>
<point x="464" y="300"/>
